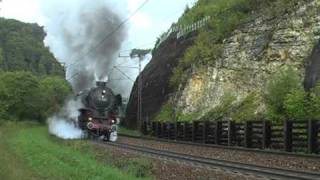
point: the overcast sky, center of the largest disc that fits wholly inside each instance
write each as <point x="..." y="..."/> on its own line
<point x="153" y="19"/>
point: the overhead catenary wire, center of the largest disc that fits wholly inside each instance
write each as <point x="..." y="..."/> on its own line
<point x="108" y="36"/>
<point x="154" y="42"/>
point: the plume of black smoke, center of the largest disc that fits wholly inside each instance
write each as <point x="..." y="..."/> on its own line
<point x="76" y="27"/>
<point x="86" y="36"/>
<point x="96" y="48"/>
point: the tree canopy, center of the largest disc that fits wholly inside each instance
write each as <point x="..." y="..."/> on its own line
<point x="28" y="97"/>
<point x="22" y="49"/>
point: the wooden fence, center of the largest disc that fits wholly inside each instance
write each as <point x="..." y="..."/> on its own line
<point x="290" y="136"/>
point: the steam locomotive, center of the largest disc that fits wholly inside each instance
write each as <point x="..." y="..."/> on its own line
<point x="101" y="112"/>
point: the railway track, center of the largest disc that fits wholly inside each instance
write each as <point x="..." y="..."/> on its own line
<point x="292" y="154"/>
<point x="272" y="173"/>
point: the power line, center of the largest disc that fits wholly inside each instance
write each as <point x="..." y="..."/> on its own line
<point x="111" y="33"/>
<point x="163" y="20"/>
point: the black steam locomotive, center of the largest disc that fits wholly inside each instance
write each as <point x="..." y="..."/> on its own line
<point x="101" y="112"/>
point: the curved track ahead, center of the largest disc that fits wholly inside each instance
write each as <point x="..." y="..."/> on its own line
<point x="273" y="173"/>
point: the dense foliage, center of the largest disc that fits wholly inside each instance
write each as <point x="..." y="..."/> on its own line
<point x="27" y="97"/>
<point x="22" y="49"/>
<point x="286" y="98"/>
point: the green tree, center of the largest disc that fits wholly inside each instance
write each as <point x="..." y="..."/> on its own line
<point x="1" y="57"/>
<point x="19" y="93"/>
<point x="277" y="89"/>
<point x="27" y="97"/>
<point x="24" y="50"/>
<point x="54" y="91"/>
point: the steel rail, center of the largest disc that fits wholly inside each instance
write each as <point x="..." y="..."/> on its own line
<point x="270" y="172"/>
<point x="273" y="152"/>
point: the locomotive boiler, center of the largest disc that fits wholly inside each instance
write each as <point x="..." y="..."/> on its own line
<point x="101" y="112"/>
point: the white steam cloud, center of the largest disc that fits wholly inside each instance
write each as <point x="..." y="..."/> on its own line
<point x="64" y="124"/>
<point x="63" y="128"/>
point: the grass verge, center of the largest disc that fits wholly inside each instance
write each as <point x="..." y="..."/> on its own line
<point x="125" y="131"/>
<point x="29" y="152"/>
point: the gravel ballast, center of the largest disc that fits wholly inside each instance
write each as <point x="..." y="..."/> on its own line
<point x="257" y="158"/>
<point x="165" y="169"/>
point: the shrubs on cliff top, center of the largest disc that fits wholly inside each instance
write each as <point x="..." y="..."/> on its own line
<point x="226" y="15"/>
<point x="27" y="97"/>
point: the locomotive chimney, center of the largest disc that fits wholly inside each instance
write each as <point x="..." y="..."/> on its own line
<point x="101" y="84"/>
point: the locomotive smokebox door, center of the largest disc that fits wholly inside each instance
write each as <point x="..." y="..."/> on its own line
<point x="100" y="114"/>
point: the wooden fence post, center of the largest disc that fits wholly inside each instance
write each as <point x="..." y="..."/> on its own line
<point x="218" y="132"/>
<point x="194" y="130"/>
<point x="157" y="129"/>
<point x="169" y="126"/>
<point x="176" y="125"/>
<point x="287" y="135"/>
<point x="266" y="134"/>
<point x="163" y="130"/>
<point x="153" y="129"/>
<point x="231" y="132"/>
<point x="204" y="131"/>
<point x="312" y="136"/>
<point x="248" y="134"/>
<point x="144" y="128"/>
<point x="185" y="130"/>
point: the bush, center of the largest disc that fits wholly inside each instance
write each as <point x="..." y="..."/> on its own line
<point x="27" y="97"/>
<point x="188" y="117"/>
<point x="277" y="89"/>
<point x="222" y="110"/>
<point x="179" y="76"/>
<point x="19" y="93"/>
<point x="166" y="113"/>
<point x="295" y="105"/>
<point x="246" y="109"/>
<point x="313" y="103"/>
<point x="54" y="91"/>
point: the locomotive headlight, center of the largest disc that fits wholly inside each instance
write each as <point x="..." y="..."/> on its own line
<point x="90" y="118"/>
<point x="113" y="121"/>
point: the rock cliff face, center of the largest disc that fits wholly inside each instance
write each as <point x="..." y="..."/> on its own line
<point x="155" y="80"/>
<point x="253" y="53"/>
<point x="250" y="55"/>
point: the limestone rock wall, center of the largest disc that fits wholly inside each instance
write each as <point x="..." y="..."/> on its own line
<point x="254" y="52"/>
